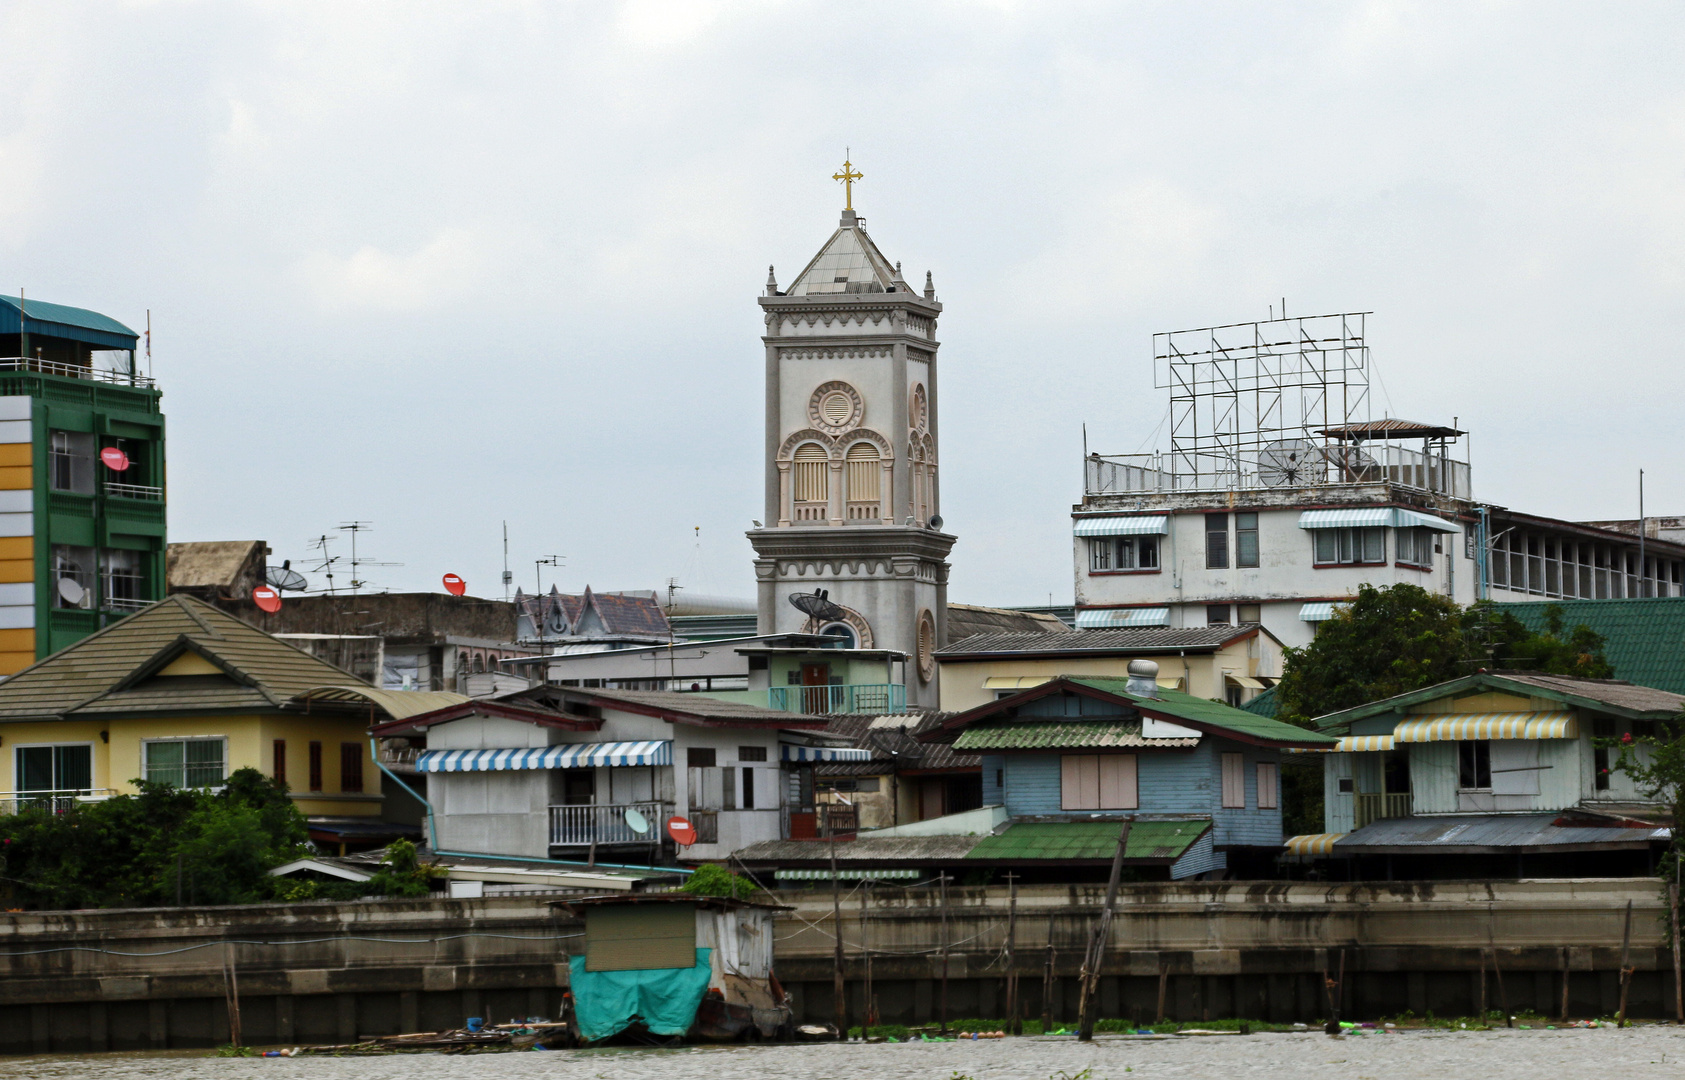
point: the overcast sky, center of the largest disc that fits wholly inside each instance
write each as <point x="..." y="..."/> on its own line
<point x="438" y="266"/>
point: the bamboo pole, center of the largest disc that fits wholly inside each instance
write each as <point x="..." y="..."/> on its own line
<point x="1163" y="987"/>
<point x="231" y="988"/>
<point x="1673" y="908"/>
<point x="870" y="1019"/>
<point x="1088" y="1002"/>
<point x="1503" y="997"/>
<point x="1563" y="1019"/>
<point x="838" y="987"/>
<point x="1047" y="983"/>
<point x="1014" y="1026"/>
<point x="1626" y="966"/>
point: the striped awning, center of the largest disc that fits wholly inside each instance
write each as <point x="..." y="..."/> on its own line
<point x="792" y="752"/>
<point x="847" y="874"/>
<point x="572" y="756"/>
<point x="1104" y="618"/>
<point x="1319" y="610"/>
<point x="1461" y="726"/>
<point x="1136" y="525"/>
<point x="1313" y="843"/>
<point x="1015" y="682"/>
<point x="1363" y="744"/>
<point x="1369" y="517"/>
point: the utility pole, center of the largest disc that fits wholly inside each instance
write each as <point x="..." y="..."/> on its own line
<point x="1089" y="1001"/>
<point x="1013" y="1024"/>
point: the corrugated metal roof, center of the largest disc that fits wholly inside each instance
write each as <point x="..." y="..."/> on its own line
<point x="865" y="849"/>
<point x="1265" y="704"/>
<point x="1117" y="640"/>
<point x="1127" y="525"/>
<point x="399" y="704"/>
<point x="1071" y="841"/>
<point x="84" y="678"/>
<point x="62" y="321"/>
<point x="1185" y="706"/>
<point x="1641" y="638"/>
<point x="965" y="620"/>
<point x="1489" y="833"/>
<point x="848" y="874"/>
<point x="1060" y="734"/>
<point x="1611" y="695"/>
<point x="696" y="704"/>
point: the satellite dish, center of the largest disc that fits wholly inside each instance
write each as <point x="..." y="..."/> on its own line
<point x="285" y="578"/>
<point x="636" y="821"/>
<point x="818" y="605"/>
<point x="114" y="459"/>
<point x="936" y="521"/>
<point x="682" y="831"/>
<point x="1286" y="461"/>
<point x="1353" y="463"/>
<point x="71" y="591"/>
<point x="455" y="585"/>
<point x="267" y="599"/>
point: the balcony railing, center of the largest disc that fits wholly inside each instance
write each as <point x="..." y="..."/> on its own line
<point x="584" y="824"/>
<point x="872" y="698"/>
<point x="135" y="491"/>
<point x="72" y="371"/>
<point x="1257" y="467"/>
<point x="1367" y="808"/>
<point x="15" y="802"/>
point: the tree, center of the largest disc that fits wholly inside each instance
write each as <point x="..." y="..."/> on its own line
<point x="1503" y="641"/>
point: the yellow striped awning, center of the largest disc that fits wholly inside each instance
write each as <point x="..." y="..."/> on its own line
<point x="1363" y="744"/>
<point x="1458" y="726"/>
<point x="1015" y="682"/>
<point x="1313" y="843"/>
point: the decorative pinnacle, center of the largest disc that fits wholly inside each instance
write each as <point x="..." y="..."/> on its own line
<point x="771" y="283"/>
<point x="848" y="176"/>
<point x="929" y="287"/>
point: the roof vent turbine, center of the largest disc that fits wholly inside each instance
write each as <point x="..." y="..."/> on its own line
<point x="1143" y="679"/>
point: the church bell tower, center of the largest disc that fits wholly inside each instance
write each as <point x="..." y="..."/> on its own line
<point x="852" y="494"/>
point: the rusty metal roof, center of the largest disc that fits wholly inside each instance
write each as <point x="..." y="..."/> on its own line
<point x="1136" y="639"/>
<point x="1485" y="834"/>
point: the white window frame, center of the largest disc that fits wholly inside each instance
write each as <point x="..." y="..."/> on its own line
<point x="1348" y="545"/>
<point x="17" y="765"/>
<point x="144" y="743"/>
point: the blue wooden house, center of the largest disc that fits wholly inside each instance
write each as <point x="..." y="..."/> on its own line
<point x="1070" y="758"/>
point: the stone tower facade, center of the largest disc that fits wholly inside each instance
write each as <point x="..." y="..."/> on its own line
<point x="853" y="502"/>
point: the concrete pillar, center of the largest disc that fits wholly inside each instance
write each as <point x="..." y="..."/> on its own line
<point x="284" y="1018"/>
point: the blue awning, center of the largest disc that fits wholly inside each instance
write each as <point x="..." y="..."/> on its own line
<point x="1369" y="517"/>
<point x="791" y="752"/>
<point x="573" y="756"/>
<point x="1103" y="618"/>
<point x="1135" y="525"/>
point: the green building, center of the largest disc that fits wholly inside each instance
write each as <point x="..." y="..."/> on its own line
<point x="81" y="527"/>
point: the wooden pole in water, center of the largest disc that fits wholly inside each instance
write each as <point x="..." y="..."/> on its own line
<point x="1673" y="908"/>
<point x="1503" y="996"/>
<point x="1047" y="983"/>
<point x="1481" y="1002"/>
<point x="1563" y="1019"/>
<point x="870" y="1019"/>
<point x="1088" y="1002"/>
<point x="1164" y="986"/>
<point x="1626" y="966"/>
<point x="944" y="1007"/>
<point x="841" y="1006"/>
<point x="231" y="987"/>
<point x="1013" y="1025"/>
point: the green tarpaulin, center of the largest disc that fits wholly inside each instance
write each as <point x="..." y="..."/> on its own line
<point x="665" y="999"/>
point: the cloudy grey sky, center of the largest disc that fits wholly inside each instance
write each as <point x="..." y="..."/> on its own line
<point x="438" y="266"/>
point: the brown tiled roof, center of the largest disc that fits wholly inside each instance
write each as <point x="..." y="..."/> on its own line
<point x="965" y="620"/>
<point x="1133" y="639"/>
<point x="624" y="613"/>
<point x="1614" y="692"/>
<point x="108" y="670"/>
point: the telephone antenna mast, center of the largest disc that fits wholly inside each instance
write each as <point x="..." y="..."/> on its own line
<point x="355" y="527"/>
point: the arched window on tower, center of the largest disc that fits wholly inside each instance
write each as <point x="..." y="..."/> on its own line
<point x="865" y="480"/>
<point x="812" y="482"/>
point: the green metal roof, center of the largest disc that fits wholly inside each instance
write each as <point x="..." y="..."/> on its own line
<point x="1180" y="705"/>
<point x="1643" y="639"/>
<point x="1061" y="734"/>
<point x="60" y="321"/>
<point x="851" y="873"/>
<point x="1265" y="704"/>
<point x="1074" y="840"/>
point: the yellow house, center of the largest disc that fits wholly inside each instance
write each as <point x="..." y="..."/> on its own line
<point x="1223" y="662"/>
<point x="183" y="693"/>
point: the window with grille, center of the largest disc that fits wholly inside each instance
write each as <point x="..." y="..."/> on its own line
<point x="1217" y="541"/>
<point x="812" y="474"/>
<point x="55" y="768"/>
<point x="124" y="578"/>
<point x="1100" y="553"/>
<point x="70" y="461"/>
<point x="1335" y="547"/>
<point x="187" y="763"/>
<point x="73" y="576"/>
<point x="315" y="766"/>
<point x="864" y="473"/>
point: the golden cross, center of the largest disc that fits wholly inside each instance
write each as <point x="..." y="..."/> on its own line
<point x="848" y="176"/>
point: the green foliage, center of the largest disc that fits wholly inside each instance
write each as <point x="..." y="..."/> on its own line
<point x="126" y="851"/>
<point x="401" y="873"/>
<point x="1659" y="773"/>
<point x="714" y="880"/>
<point x="1399" y="638"/>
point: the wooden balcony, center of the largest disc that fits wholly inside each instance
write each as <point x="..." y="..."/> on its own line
<point x="1368" y="807"/>
<point x="584" y="824"/>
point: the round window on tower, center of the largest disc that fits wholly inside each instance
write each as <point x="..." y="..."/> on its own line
<point x="919" y="409"/>
<point x="927" y="646"/>
<point x="843" y="633"/>
<point x="835" y="406"/>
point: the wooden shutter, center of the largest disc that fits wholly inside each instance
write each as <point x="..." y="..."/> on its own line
<point x="1267" y="787"/>
<point x="1234" y="781"/>
<point x="278" y="767"/>
<point x="863" y="473"/>
<point x="315" y="766"/>
<point x="1079" y="782"/>
<point x="813" y="471"/>
<point x="639" y="937"/>
<point x="1117" y="782"/>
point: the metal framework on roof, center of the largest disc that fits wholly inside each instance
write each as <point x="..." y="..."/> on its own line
<point x="1277" y="403"/>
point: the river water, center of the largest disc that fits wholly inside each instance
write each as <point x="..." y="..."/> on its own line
<point x="1633" y="1054"/>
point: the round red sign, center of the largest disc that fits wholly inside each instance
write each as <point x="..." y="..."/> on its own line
<point x="114" y="459"/>
<point x="455" y="585"/>
<point x="267" y="599"/>
<point x="681" y="831"/>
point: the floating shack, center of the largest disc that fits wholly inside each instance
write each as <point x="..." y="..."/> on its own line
<point x="674" y="965"/>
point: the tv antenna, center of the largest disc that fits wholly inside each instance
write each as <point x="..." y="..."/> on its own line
<point x="538" y="566"/>
<point x="326" y="563"/>
<point x="508" y="577"/>
<point x="673" y="589"/>
<point x="355" y="527"/>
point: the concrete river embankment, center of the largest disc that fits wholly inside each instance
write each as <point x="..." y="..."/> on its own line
<point x="319" y="972"/>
